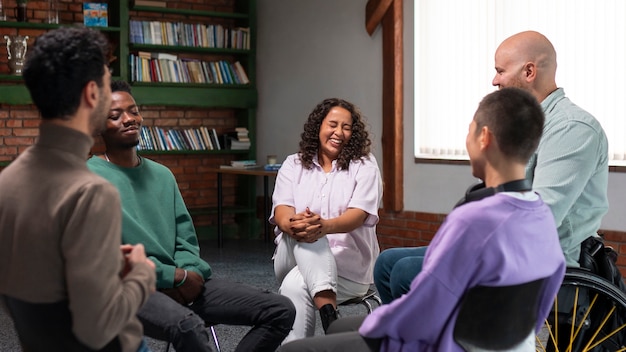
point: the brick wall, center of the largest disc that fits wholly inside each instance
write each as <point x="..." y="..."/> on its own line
<point x="19" y="123"/>
<point x="407" y="228"/>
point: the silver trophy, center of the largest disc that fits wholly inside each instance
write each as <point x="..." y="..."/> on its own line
<point x="16" y="50"/>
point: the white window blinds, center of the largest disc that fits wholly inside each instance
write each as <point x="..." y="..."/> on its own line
<point x="455" y="42"/>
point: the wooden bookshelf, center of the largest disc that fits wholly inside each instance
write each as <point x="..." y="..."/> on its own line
<point x="164" y="99"/>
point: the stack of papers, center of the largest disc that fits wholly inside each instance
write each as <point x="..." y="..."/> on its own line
<point x="243" y="164"/>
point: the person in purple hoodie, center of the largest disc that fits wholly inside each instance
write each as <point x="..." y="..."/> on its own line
<point x="506" y="238"/>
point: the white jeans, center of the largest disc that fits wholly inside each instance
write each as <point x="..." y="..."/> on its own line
<point x="304" y="269"/>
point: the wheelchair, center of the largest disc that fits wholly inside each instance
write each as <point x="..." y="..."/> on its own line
<point x="589" y="314"/>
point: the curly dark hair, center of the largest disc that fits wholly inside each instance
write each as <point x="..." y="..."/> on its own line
<point x="357" y="147"/>
<point x="60" y="65"/>
<point x="120" y="86"/>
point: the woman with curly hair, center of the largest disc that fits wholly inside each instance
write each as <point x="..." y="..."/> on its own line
<point x="325" y="208"/>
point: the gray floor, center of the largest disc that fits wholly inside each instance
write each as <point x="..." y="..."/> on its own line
<point x="247" y="261"/>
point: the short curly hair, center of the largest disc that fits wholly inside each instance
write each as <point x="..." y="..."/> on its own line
<point x="357" y="147"/>
<point x="60" y="64"/>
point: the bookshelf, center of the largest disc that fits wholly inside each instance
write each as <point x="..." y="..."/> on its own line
<point x="163" y="99"/>
<point x="239" y="98"/>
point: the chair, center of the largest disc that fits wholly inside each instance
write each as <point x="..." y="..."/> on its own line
<point x="497" y="318"/>
<point x="364" y="300"/>
<point x="47" y="326"/>
<point x="213" y="334"/>
<point x="589" y="314"/>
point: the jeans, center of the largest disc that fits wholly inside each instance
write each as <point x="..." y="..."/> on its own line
<point x="342" y="336"/>
<point x="395" y="269"/>
<point x="303" y="270"/>
<point x="270" y="316"/>
<point x="143" y="347"/>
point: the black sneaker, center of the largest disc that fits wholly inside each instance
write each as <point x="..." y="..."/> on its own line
<point x="328" y="314"/>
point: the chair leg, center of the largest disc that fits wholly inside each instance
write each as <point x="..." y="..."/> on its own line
<point x="217" y="343"/>
<point x="367" y="305"/>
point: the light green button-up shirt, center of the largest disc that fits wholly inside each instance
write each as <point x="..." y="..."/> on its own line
<point x="570" y="171"/>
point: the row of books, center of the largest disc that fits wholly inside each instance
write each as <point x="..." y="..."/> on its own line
<point x="187" y="34"/>
<point x="156" y="138"/>
<point x="162" y="67"/>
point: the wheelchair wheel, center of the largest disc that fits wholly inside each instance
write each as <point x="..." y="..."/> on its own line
<point x="589" y="314"/>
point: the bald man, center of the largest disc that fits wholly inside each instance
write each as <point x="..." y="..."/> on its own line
<point x="569" y="169"/>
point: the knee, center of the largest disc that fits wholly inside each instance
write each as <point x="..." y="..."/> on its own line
<point x="190" y="323"/>
<point x="403" y="273"/>
<point x="280" y="312"/>
<point x="384" y="264"/>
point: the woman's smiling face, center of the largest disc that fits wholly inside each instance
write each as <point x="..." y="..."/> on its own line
<point x="335" y="132"/>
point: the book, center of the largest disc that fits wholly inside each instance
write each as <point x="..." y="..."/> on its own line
<point x="215" y="140"/>
<point x="239" y="145"/>
<point x="95" y="14"/>
<point x="162" y="56"/>
<point x="272" y="167"/>
<point x="241" y="73"/>
<point x="206" y="136"/>
<point x="237" y="167"/>
<point x="249" y="162"/>
<point x="152" y="3"/>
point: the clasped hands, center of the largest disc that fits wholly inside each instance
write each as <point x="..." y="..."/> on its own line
<point x="190" y="288"/>
<point x="306" y="226"/>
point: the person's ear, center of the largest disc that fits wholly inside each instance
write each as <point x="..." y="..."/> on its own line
<point x="485" y="138"/>
<point x="530" y="71"/>
<point x="91" y="92"/>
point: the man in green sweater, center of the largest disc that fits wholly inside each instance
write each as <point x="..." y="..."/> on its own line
<point x="154" y="214"/>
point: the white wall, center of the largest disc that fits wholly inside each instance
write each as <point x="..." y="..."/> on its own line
<point x="311" y="50"/>
<point x="308" y="51"/>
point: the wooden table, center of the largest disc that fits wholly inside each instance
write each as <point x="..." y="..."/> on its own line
<point x="257" y="171"/>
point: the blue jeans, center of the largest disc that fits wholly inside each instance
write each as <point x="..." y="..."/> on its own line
<point x="270" y="316"/>
<point x="395" y="269"/>
<point x="143" y="347"/>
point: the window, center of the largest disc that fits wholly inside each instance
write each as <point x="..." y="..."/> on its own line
<point x="455" y="43"/>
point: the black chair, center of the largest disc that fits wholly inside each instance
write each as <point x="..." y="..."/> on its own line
<point x="47" y="327"/>
<point x="497" y="318"/>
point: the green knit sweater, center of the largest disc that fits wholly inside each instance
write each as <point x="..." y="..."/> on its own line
<point x="154" y="214"/>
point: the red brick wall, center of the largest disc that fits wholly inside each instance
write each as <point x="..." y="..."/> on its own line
<point x="410" y="228"/>
<point x="18" y="123"/>
<point x="197" y="183"/>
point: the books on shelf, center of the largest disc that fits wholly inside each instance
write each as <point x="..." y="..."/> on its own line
<point x="156" y="138"/>
<point x="237" y="140"/>
<point x="164" y="67"/>
<point x="186" y="34"/>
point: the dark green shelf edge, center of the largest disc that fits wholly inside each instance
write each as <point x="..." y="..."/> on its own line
<point x="191" y="12"/>
<point x="221" y="151"/>
<point x="17" y="94"/>
<point x="4" y="163"/>
<point x="188" y="49"/>
<point x="199" y="95"/>
<point x="30" y="25"/>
